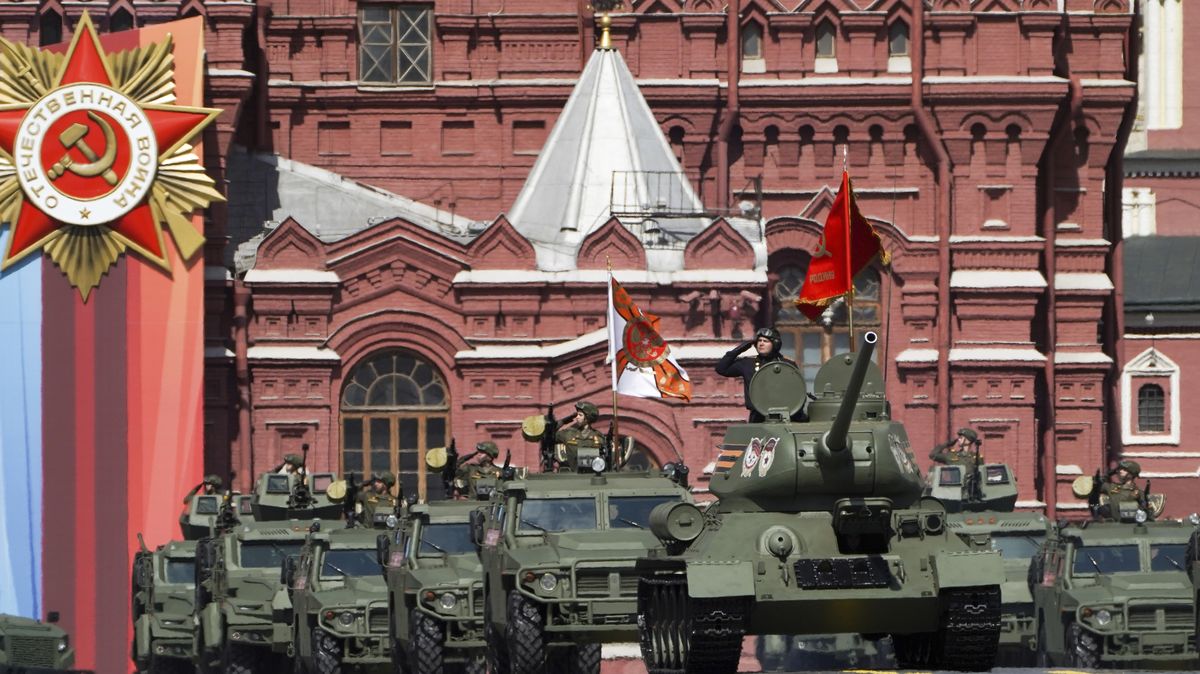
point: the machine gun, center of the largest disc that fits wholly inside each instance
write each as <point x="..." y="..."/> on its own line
<point x="548" y="440"/>
<point x="507" y="472"/>
<point x="976" y="486"/>
<point x="450" y="469"/>
<point x="301" y="497"/>
<point x="350" y="501"/>
<point x="227" y="516"/>
<point x="607" y="449"/>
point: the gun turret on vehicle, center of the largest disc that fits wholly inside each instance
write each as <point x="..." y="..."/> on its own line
<point x="820" y="527"/>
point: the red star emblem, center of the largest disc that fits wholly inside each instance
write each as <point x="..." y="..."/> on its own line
<point x="87" y="154"/>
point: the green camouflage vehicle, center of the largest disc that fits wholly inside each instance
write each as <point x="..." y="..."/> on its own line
<point x="820" y="527"/>
<point x="240" y="602"/>
<point x="984" y="516"/>
<point x="559" y="554"/>
<point x="1115" y="594"/>
<point x="339" y="604"/>
<point x="435" y="588"/>
<point x="163" y="593"/>
<point x="28" y="646"/>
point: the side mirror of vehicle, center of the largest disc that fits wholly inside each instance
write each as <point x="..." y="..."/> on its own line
<point x="381" y="550"/>
<point x="477" y="520"/>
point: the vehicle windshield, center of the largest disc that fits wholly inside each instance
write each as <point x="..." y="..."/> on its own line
<point x="633" y="512"/>
<point x="445" y="539"/>
<point x="1106" y="559"/>
<point x="1017" y="546"/>
<point x="182" y="571"/>
<point x="557" y="514"/>
<point x="267" y="554"/>
<point x="1168" y="557"/>
<point x="338" y="563"/>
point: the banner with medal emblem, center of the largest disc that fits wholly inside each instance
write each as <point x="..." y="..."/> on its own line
<point x="642" y="364"/>
<point x="101" y="317"/>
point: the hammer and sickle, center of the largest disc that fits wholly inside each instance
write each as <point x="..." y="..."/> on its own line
<point x="822" y="251"/>
<point x="97" y="165"/>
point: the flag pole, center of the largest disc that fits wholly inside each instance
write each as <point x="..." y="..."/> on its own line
<point x="612" y="340"/>
<point x="849" y="223"/>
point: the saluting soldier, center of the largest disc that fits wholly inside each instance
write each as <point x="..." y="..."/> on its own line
<point x="378" y="495"/>
<point x="485" y="467"/>
<point x="211" y="485"/>
<point x="292" y="463"/>
<point x="1120" y="484"/>
<point x="958" y="452"/>
<point x="578" y="433"/>
<point x="767" y="342"/>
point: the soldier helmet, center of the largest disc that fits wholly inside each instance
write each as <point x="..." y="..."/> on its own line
<point x="293" y="459"/>
<point x="590" y="411"/>
<point x="488" y="447"/>
<point x="969" y="434"/>
<point x="771" y="334"/>
<point x="387" y="478"/>
<point x="1133" y="467"/>
<point x="214" y="480"/>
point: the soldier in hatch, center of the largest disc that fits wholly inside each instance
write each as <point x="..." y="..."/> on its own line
<point x="1121" y="483"/>
<point x="377" y="496"/>
<point x="292" y="463"/>
<point x="766" y="343"/>
<point x="578" y="434"/>
<point x="958" y="452"/>
<point x="211" y="485"/>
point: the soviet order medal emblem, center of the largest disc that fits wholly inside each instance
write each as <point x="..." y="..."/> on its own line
<point x="94" y="156"/>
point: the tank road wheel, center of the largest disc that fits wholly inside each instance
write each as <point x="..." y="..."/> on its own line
<point x="682" y="635"/>
<point x="326" y="653"/>
<point x="1083" y="648"/>
<point x="238" y="659"/>
<point x="913" y="651"/>
<point x="428" y="641"/>
<point x="526" y="642"/>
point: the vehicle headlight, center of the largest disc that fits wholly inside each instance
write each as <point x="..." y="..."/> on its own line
<point x="448" y="600"/>
<point x="598" y="464"/>
<point x="346" y="618"/>
<point x="1194" y="519"/>
<point x="1103" y="617"/>
<point x="549" y="581"/>
<point x="63" y="644"/>
<point x="391" y="521"/>
<point x="1139" y="516"/>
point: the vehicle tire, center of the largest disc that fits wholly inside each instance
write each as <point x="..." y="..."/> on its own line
<point x="326" y="653"/>
<point x="475" y="664"/>
<point x="238" y="659"/>
<point x="1083" y="647"/>
<point x="526" y="642"/>
<point x="583" y="659"/>
<point x="497" y="649"/>
<point x="428" y="640"/>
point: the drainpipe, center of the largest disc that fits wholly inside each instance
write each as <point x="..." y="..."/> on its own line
<point x="241" y="364"/>
<point x="942" y="217"/>
<point x="729" y="119"/>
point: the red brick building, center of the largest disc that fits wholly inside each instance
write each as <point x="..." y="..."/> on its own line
<point x="391" y="303"/>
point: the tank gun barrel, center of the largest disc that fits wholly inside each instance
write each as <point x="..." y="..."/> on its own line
<point x="835" y="438"/>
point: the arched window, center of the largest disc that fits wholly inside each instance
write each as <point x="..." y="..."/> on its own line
<point x="826" y="40"/>
<point x="120" y="20"/>
<point x="752" y="41"/>
<point x="810" y="343"/>
<point x="1151" y="409"/>
<point x="50" y="28"/>
<point x="898" y="39"/>
<point x="395" y="407"/>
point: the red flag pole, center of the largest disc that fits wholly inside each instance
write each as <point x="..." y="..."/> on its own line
<point x="849" y="224"/>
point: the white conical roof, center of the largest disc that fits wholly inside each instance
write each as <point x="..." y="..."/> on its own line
<point x="606" y="128"/>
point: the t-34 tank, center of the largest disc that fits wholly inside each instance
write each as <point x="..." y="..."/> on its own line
<point x="820" y="527"/>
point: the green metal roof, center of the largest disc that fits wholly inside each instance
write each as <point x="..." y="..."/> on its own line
<point x="1162" y="276"/>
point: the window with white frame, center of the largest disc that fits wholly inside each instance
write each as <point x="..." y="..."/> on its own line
<point x="1150" y="400"/>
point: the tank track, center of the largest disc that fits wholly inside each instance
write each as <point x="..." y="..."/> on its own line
<point x="971" y="628"/>
<point x="683" y="635"/>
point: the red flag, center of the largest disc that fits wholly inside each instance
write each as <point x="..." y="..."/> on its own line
<point x="848" y="244"/>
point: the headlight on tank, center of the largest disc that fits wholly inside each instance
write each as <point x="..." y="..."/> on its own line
<point x="448" y="601"/>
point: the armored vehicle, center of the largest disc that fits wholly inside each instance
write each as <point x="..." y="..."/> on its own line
<point x="982" y="513"/>
<point x="339" y="603"/>
<point x="819" y="527"/>
<point x="240" y="602"/>
<point x="163" y="593"/>
<point x="200" y="517"/>
<point x="27" y="645"/>
<point x="435" y="587"/>
<point x="559" y="554"/>
<point x="1115" y="594"/>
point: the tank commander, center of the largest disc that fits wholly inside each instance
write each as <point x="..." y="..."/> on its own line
<point x="378" y="495"/>
<point x="577" y="434"/>
<point x="766" y="343"/>
<point x="963" y="451"/>
<point x="292" y="463"/>
<point x="211" y="485"/>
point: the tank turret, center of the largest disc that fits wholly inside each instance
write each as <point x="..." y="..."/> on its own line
<point x="850" y="447"/>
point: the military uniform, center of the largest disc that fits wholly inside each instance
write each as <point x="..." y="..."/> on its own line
<point x="572" y="439"/>
<point x="1124" y="491"/>
<point x="371" y="501"/>
<point x="946" y="453"/>
<point x="211" y="485"/>
<point x="468" y="476"/>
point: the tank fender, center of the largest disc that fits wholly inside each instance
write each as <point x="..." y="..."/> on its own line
<point x="720" y="579"/>
<point x="142" y="636"/>
<point x="968" y="569"/>
<point x="212" y="625"/>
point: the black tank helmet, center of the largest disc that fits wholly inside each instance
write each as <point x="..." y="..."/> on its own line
<point x="771" y="334"/>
